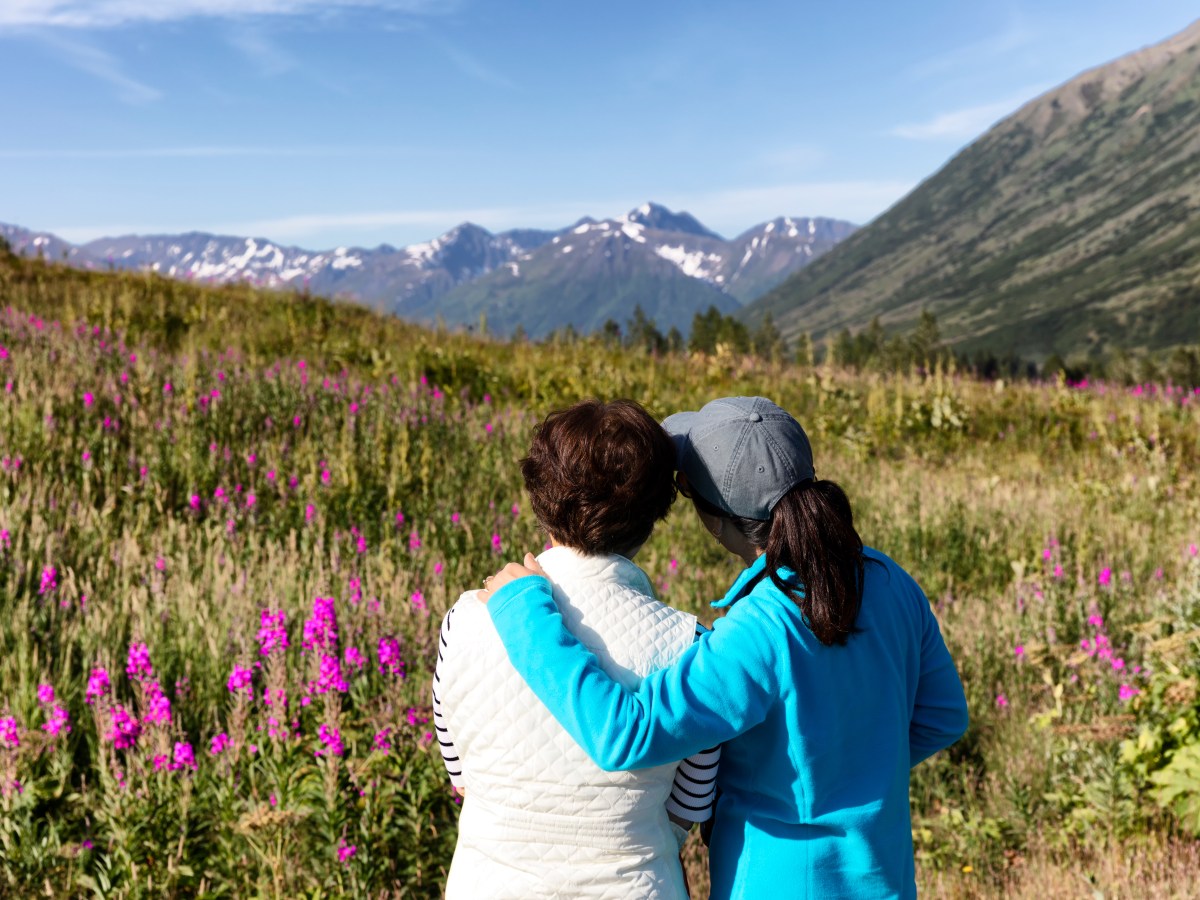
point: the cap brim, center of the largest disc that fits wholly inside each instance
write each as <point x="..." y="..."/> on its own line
<point x="679" y="427"/>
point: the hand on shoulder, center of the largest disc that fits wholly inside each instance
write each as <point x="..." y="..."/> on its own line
<point x="511" y="572"/>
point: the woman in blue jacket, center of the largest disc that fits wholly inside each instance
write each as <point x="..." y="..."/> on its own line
<point x="826" y="679"/>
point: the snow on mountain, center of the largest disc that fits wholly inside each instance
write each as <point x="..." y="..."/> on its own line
<point x="647" y="246"/>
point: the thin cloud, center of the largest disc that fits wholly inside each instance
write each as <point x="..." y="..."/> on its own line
<point x="114" y="13"/>
<point x="473" y="67"/>
<point x="963" y="124"/>
<point x="266" y="55"/>
<point x="101" y="65"/>
<point x="1016" y="36"/>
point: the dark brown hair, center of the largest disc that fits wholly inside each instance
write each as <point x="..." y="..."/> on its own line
<point x="811" y="532"/>
<point x="599" y="475"/>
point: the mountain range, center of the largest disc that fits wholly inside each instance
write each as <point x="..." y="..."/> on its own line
<point x="579" y="276"/>
<point x="1071" y="226"/>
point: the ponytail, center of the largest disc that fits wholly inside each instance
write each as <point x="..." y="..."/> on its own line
<point x="811" y="532"/>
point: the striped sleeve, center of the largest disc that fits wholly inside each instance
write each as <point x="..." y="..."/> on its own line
<point x="695" y="786"/>
<point x="445" y="740"/>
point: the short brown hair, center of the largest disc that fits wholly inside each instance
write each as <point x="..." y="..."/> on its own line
<point x="599" y="475"/>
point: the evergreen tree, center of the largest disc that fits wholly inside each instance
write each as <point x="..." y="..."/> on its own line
<point x="674" y="340"/>
<point x="767" y="340"/>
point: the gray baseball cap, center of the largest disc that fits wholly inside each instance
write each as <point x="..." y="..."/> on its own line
<point x="741" y="454"/>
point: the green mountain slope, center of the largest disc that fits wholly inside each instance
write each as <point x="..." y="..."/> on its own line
<point x="1073" y="225"/>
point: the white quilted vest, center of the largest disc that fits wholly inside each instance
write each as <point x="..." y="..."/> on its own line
<point x="540" y="819"/>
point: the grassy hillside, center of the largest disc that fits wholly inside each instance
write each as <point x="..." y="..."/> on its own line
<point x="1069" y="227"/>
<point x="189" y="476"/>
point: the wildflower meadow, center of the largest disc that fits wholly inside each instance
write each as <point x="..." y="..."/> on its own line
<point x="231" y="521"/>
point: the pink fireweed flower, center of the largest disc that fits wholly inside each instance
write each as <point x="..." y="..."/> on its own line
<point x="219" y="743"/>
<point x="1096" y="620"/>
<point x="98" y="685"/>
<point x="331" y="738"/>
<point x="516" y="510"/>
<point x="1127" y="692"/>
<point x="167" y="387"/>
<point x="160" y="564"/>
<point x="124" y="729"/>
<point x="88" y="398"/>
<point x="160" y="762"/>
<point x="309" y="512"/>
<point x="1019" y="650"/>
<point x="1193" y="550"/>
<point x="49" y="580"/>
<point x="158" y="707"/>
<point x="455" y="518"/>
<point x="45" y="693"/>
<point x="320" y="629"/>
<point x="390" y="662"/>
<point x="399" y="519"/>
<point x="10" y="736"/>
<point x="414" y="541"/>
<point x="250" y="500"/>
<point x="1058" y="571"/>
<point x="437" y="568"/>
<point x="415" y="718"/>
<point x="1001" y="701"/>
<point x="272" y="633"/>
<point x="418" y="602"/>
<point x="329" y="677"/>
<point x="354" y="657"/>
<point x="496" y="544"/>
<point x="346" y="851"/>
<point x="194" y="501"/>
<point x="58" y="722"/>
<point x="184" y="757"/>
<point x="240" y="680"/>
<point x="137" y="665"/>
<point x="326" y="477"/>
<point x="383" y="740"/>
<point x="1105" y="577"/>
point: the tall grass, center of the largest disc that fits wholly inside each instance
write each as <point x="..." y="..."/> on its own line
<point x="207" y="472"/>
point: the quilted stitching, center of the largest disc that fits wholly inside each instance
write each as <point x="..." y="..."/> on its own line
<point x="535" y="802"/>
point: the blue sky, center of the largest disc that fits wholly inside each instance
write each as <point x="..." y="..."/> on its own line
<point x="359" y="122"/>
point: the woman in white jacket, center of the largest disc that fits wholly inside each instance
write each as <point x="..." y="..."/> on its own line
<point x="539" y="818"/>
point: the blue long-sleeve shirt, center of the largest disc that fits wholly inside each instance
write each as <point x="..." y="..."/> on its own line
<point x="818" y="741"/>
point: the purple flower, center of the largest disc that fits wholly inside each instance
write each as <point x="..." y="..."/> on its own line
<point x="97" y="686"/>
<point x="45" y="693"/>
<point x="418" y="601"/>
<point x="9" y="735"/>
<point x="137" y="665"/>
<point x="330" y="676"/>
<point x="331" y="738"/>
<point x="184" y="757"/>
<point x="1105" y="577"/>
<point x="49" y="580"/>
<point x="383" y="740"/>
<point x="58" y="722"/>
<point x="158" y="710"/>
<point x="390" y="662"/>
<point x="219" y="743"/>
<point x="355" y="658"/>
<point x="124" y="729"/>
<point x="345" y="851"/>
<point x="272" y="633"/>
<point x="1127" y="692"/>
<point x="239" y="680"/>
<point x="320" y="629"/>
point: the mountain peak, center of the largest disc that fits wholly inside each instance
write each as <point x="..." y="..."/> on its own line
<point x="658" y="217"/>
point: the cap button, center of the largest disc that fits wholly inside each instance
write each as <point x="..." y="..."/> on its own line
<point x="754" y="417"/>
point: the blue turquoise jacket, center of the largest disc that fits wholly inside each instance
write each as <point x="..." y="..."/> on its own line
<point x="818" y="741"/>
